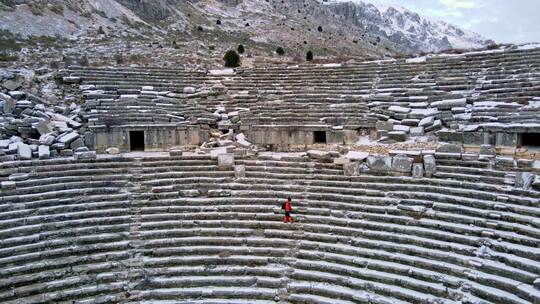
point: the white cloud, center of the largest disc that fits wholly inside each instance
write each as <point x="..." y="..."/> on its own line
<point x="457" y="4"/>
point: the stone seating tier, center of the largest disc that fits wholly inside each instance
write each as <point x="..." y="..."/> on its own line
<point x="158" y="229"/>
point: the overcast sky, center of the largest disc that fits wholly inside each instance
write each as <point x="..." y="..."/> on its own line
<point x="514" y="21"/>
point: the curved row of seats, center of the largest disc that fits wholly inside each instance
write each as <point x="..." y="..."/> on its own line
<point x="170" y="229"/>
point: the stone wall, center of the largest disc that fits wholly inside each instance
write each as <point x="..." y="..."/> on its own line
<point x="285" y="138"/>
<point x="156" y="137"/>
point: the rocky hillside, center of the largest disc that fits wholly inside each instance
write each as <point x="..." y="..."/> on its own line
<point x="195" y="30"/>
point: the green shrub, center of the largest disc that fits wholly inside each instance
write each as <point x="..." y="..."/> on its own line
<point x="241" y="49"/>
<point x="232" y="59"/>
<point x="280" y="51"/>
<point x="309" y="56"/>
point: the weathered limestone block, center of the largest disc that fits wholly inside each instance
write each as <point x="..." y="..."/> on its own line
<point x="417" y="131"/>
<point x="397" y="135"/>
<point x="449" y="103"/>
<point x="356" y="155"/>
<point x="430" y="165"/>
<point x="505" y="161"/>
<point x="7" y="185"/>
<point x="226" y="161"/>
<point x="19" y="177"/>
<point x="112" y="150"/>
<point x="240" y="171"/>
<point x="401" y="163"/>
<point x="418" y="170"/>
<point x="398" y="109"/>
<point x="427" y="121"/>
<point x="318" y="154"/>
<point x="524" y="180"/>
<point x="449" y="148"/>
<point x="351" y="169"/>
<point x="68" y="138"/>
<point x="219" y="193"/>
<point x="487" y="150"/>
<point x="24" y="151"/>
<point x="377" y="163"/>
<point x="189" y="193"/>
<point x="85" y="155"/>
<point x="189" y="90"/>
<point x="44" y="152"/>
<point x="384" y="125"/>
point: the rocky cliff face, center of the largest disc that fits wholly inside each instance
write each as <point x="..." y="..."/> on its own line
<point x="405" y="30"/>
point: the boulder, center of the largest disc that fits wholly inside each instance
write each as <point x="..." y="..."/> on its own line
<point x="225" y="160"/>
<point x="418" y="170"/>
<point x="44" y="152"/>
<point x="430" y="165"/>
<point x="377" y="163"/>
<point x="401" y="163"/>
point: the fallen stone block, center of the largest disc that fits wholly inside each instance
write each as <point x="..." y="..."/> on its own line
<point x="427" y="121"/>
<point x="239" y="171"/>
<point x="24" y="152"/>
<point x="19" y="177"/>
<point x="225" y="161"/>
<point x="8" y="185"/>
<point x="114" y="151"/>
<point x="430" y="165"/>
<point x="356" y="155"/>
<point x="351" y="169"/>
<point x="487" y="150"/>
<point x="417" y="131"/>
<point x="398" y="109"/>
<point x="44" y="152"/>
<point x="219" y="193"/>
<point x="402" y="164"/>
<point x="449" y="103"/>
<point x="85" y="155"/>
<point x="319" y="154"/>
<point x="68" y="138"/>
<point x="524" y="180"/>
<point x="397" y="135"/>
<point x="417" y="170"/>
<point x="377" y="163"/>
<point x="450" y="148"/>
<point x="384" y="125"/>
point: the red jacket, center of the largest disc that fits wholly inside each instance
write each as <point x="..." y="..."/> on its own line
<point x="286" y="206"/>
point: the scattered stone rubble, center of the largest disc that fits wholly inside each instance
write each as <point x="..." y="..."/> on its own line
<point x="33" y="127"/>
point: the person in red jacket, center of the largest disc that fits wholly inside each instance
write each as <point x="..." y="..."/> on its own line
<point x="287" y="207"/>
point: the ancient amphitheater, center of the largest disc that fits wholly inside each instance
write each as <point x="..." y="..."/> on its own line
<point x="196" y="218"/>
